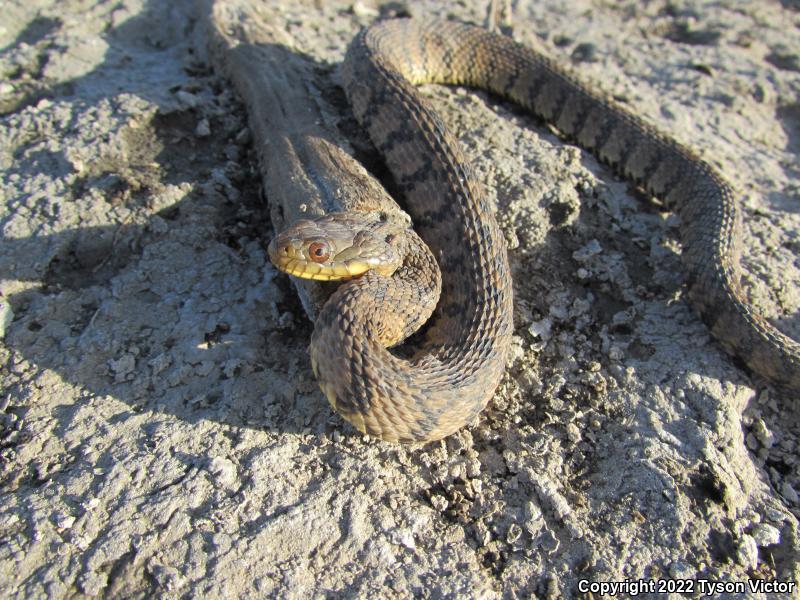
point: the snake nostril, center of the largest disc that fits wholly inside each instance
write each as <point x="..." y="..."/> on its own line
<point x="286" y="249"/>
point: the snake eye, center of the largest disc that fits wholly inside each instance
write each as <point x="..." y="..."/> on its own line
<point x="319" y="252"/>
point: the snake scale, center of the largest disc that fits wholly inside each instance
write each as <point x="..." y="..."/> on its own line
<point x="461" y="357"/>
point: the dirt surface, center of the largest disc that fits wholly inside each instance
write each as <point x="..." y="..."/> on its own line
<point x="162" y="432"/>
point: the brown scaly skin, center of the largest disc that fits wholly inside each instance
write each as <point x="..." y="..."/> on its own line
<point x="465" y="349"/>
<point x="462" y="355"/>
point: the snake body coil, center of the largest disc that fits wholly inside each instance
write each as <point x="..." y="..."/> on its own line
<point x="462" y="358"/>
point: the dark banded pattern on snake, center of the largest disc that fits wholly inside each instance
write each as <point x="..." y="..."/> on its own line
<point x="457" y="371"/>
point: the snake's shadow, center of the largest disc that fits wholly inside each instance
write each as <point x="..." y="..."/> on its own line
<point x="76" y="311"/>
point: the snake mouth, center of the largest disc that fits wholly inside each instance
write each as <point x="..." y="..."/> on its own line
<point x="304" y="270"/>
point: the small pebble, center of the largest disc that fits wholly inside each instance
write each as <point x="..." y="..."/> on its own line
<point x="541" y="329"/>
<point x="680" y="570"/>
<point x="439" y="502"/>
<point x="766" y="535"/>
<point x="188" y="99"/>
<point x="224" y="469"/>
<point x="63" y="521"/>
<point x="559" y="312"/>
<point x="616" y="353"/>
<point x="203" y="129"/>
<point x="788" y="492"/>
<point x="591" y="249"/>
<point x="573" y="433"/>
<point x="775" y="515"/>
<point x="122" y="366"/>
<point x="457" y="471"/>
<point x="747" y="552"/>
<point x="231" y="367"/>
<point x="403" y="537"/>
<point x="473" y="467"/>
<point x="360" y="9"/>
<point x="558" y="504"/>
<point x="763" y="434"/>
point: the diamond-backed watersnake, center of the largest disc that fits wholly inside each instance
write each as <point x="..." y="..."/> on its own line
<point x="461" y="357"/>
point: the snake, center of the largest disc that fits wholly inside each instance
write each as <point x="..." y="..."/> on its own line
<point x="389" y="269"/>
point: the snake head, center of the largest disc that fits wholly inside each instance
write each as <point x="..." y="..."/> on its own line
<point x="340" y="246"/>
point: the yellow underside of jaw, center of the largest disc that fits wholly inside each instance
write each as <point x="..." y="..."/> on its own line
<point x="323" y="273"/>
